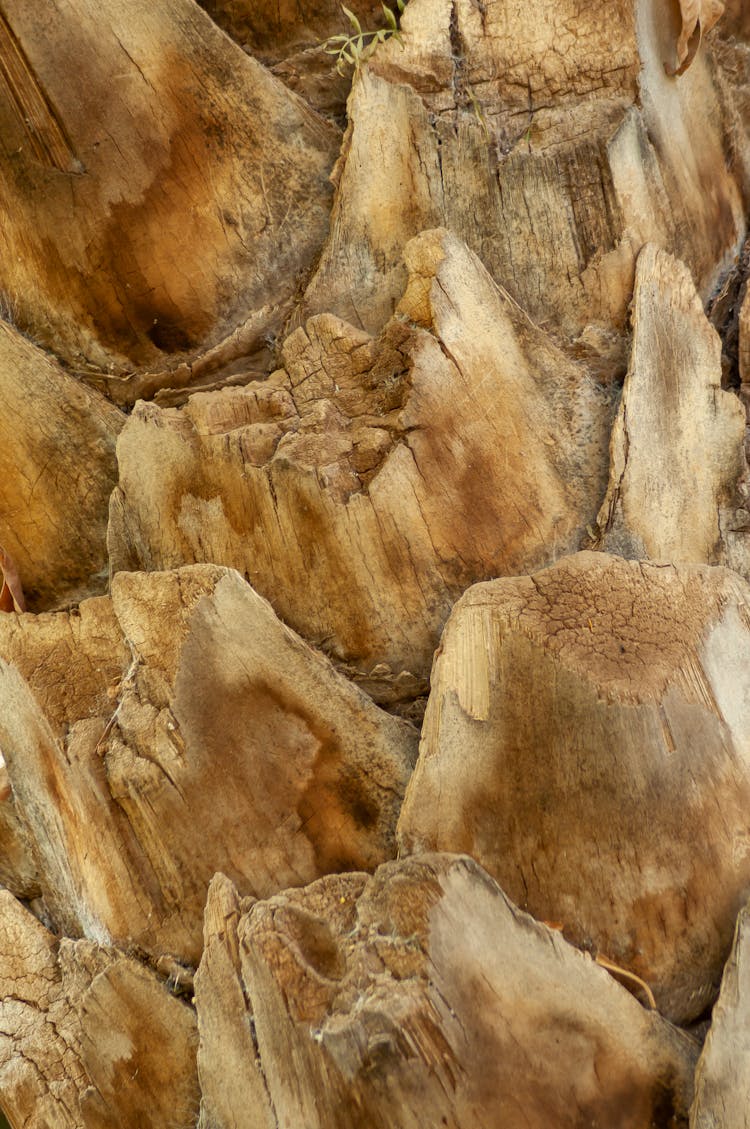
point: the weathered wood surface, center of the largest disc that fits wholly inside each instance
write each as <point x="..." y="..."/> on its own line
<point x="554" y="144"/>
<point x="195" y="193"/>
<point x="89" y="1038"/>
<point x="421" y="996"/>
<point x="722" y="1077"/>
<point x="179" y="729"/>
<point x="57" y="469"/>
<point x="364" y="487"/>
<point x="586" y="739"/>
<point x="235" y="1094"/>
<point x="677" y="449"/>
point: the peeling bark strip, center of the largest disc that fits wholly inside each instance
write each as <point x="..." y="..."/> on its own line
<point x="41" y="124"/>
<point x="11" y="592"/>
<point x="697" y="17"/>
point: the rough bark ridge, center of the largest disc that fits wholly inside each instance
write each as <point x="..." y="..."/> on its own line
<point x="552" y="149"/>
<point x="57" y="468"/>
<point x="329" y="394"/>
<point x="79" y="1025"/>
<point x="356" y="488"/>
<point x="202" y="735"/>
<point x="191" y="194"/>
<point x="565" y="708"/>
<point x="391" y="1008"/>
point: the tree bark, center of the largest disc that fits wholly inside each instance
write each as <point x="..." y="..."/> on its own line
<point x="348" y="777"/>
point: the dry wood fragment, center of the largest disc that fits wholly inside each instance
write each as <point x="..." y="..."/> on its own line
<point x="586" y="741"/>
<point x="178" y="729"/>
<point x="421" y="997"/>
<point x="233" y="1092"/>
<point x="366" y="485"/>
<point x="697" y="17"/>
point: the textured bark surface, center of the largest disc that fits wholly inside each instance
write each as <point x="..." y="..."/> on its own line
<point x="191" y="192"/>
<point x="57" y="468"/>
<point x="179" y="729"/>
<point x="17" y="870"/>
<point x="722" y="1077"/>
<point x="89" y="1038"/>
<point x="744" y="342"/>
<point x="364" y="487"/>
<point x="301" y="362"/>
<point x="552" y="149"/>
<point x="397" y="1015"/>
<point x="568" y="712"/>
<point x="677" y="447"/>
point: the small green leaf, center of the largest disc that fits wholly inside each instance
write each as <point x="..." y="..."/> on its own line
<point x="352" y="19"/>
<point x="390" y="19"/>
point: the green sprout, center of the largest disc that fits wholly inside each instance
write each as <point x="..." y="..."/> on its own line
<point x="353" y="50"/>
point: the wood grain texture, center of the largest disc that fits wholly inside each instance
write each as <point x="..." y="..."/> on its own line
<point x="44" y="131"/>
<point x="17" y="870"/>
<point x="677" y="447"/>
